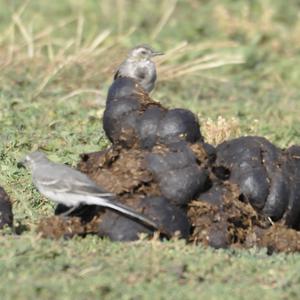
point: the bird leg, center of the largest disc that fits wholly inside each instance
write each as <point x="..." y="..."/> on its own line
<point x="69" y="211"/>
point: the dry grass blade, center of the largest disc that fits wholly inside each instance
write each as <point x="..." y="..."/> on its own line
<point x="165" y="18"/>
<point x="75" y="58"/>
<point x="211" y="45"/>
<point x="6" y="34"/>
<point x="22" y="8"/>
<point x="41" y="38"/>
<point x="51" y="75"/>
<point x="50" y="29"/>
<point x="198" y="65"/>
<point x="26" y="35"/>
<point x="79" y="33"/>
<point x="61" y="53"/>
<point x="120" y="15"/>
<point x="220" y="130"/>
<point x="181" y="67"/>
<point x="12" y="45"/>
<point x="50" y="51"/>
<point x="80" y="92"/>
<point x="184" y="48"/>
<point x="176" y="51"/>
<point x="99" y="39"/>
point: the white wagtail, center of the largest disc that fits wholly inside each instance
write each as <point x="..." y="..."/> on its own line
<point x="139" y="66"/>
<point x="65" y="185"/>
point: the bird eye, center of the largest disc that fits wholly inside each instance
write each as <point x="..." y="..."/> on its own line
<point x="144" y="52"/>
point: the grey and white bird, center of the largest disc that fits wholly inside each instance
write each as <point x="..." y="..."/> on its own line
<point x="65" y="185"/>
<point x="139" y="66"/>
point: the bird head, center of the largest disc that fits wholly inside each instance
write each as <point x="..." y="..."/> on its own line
<point x="143" y="52"/>
<point x="30" y="160"/>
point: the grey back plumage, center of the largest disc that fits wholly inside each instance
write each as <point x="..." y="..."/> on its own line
<point x="63" y="177"/>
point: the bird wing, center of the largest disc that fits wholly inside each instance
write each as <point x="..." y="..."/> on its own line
<point x="64" y="179"/>
<point x="117" y="74"/>
<point x="119" y="71"/>
<point x="124" y="70"/>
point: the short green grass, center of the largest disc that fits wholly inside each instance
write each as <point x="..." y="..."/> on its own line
<point x="57" y="60"/>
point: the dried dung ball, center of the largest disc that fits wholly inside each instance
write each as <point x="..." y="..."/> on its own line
<point x="280" y="190"/>
<point x="215" y="195"/>
<point x="6" y="214"/>
<point x="291" y="171"/>
<point x="177" y="172"/>
<point x="120" y="120"/>
<point x="120" y="228"/>
<point x="218" y="236"/>
<point x="122" y="87"/>
<point x="251" y="162"/>
<point x="179" y="124"/>
<point x="171" y="219"/>
<point x="148" y="126"/>
<point x="267" y="177"/>
<point x="180" y="186"/>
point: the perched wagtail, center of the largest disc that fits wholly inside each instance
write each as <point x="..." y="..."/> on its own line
<point x="139" y="66"/>
<point x="65" y="185"/>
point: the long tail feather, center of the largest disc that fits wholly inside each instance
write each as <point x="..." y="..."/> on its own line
<point x="124" y="209"/>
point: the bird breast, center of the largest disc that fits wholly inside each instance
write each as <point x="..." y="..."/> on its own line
<point x="146" y="74"/>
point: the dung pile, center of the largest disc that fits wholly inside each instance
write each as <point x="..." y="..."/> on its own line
<point x="267" y="176"/>
<point x="6" y="215"/>
<point x="159" y="165"/>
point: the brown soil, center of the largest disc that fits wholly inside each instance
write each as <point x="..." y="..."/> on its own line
<point x="144" y="98"/>
<point x="120" y="171"/>
<point x="56" y="227"/>
<point x="279" y="238"/>
<point x="200" y="153"/>
<point x="234" y="218"/>
<point x="238" y="225"/>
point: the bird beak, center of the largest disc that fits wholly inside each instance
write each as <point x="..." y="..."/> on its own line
<point x="156" y="53"/>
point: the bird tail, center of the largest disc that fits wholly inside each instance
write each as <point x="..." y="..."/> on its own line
<point x="124" y="209"/>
